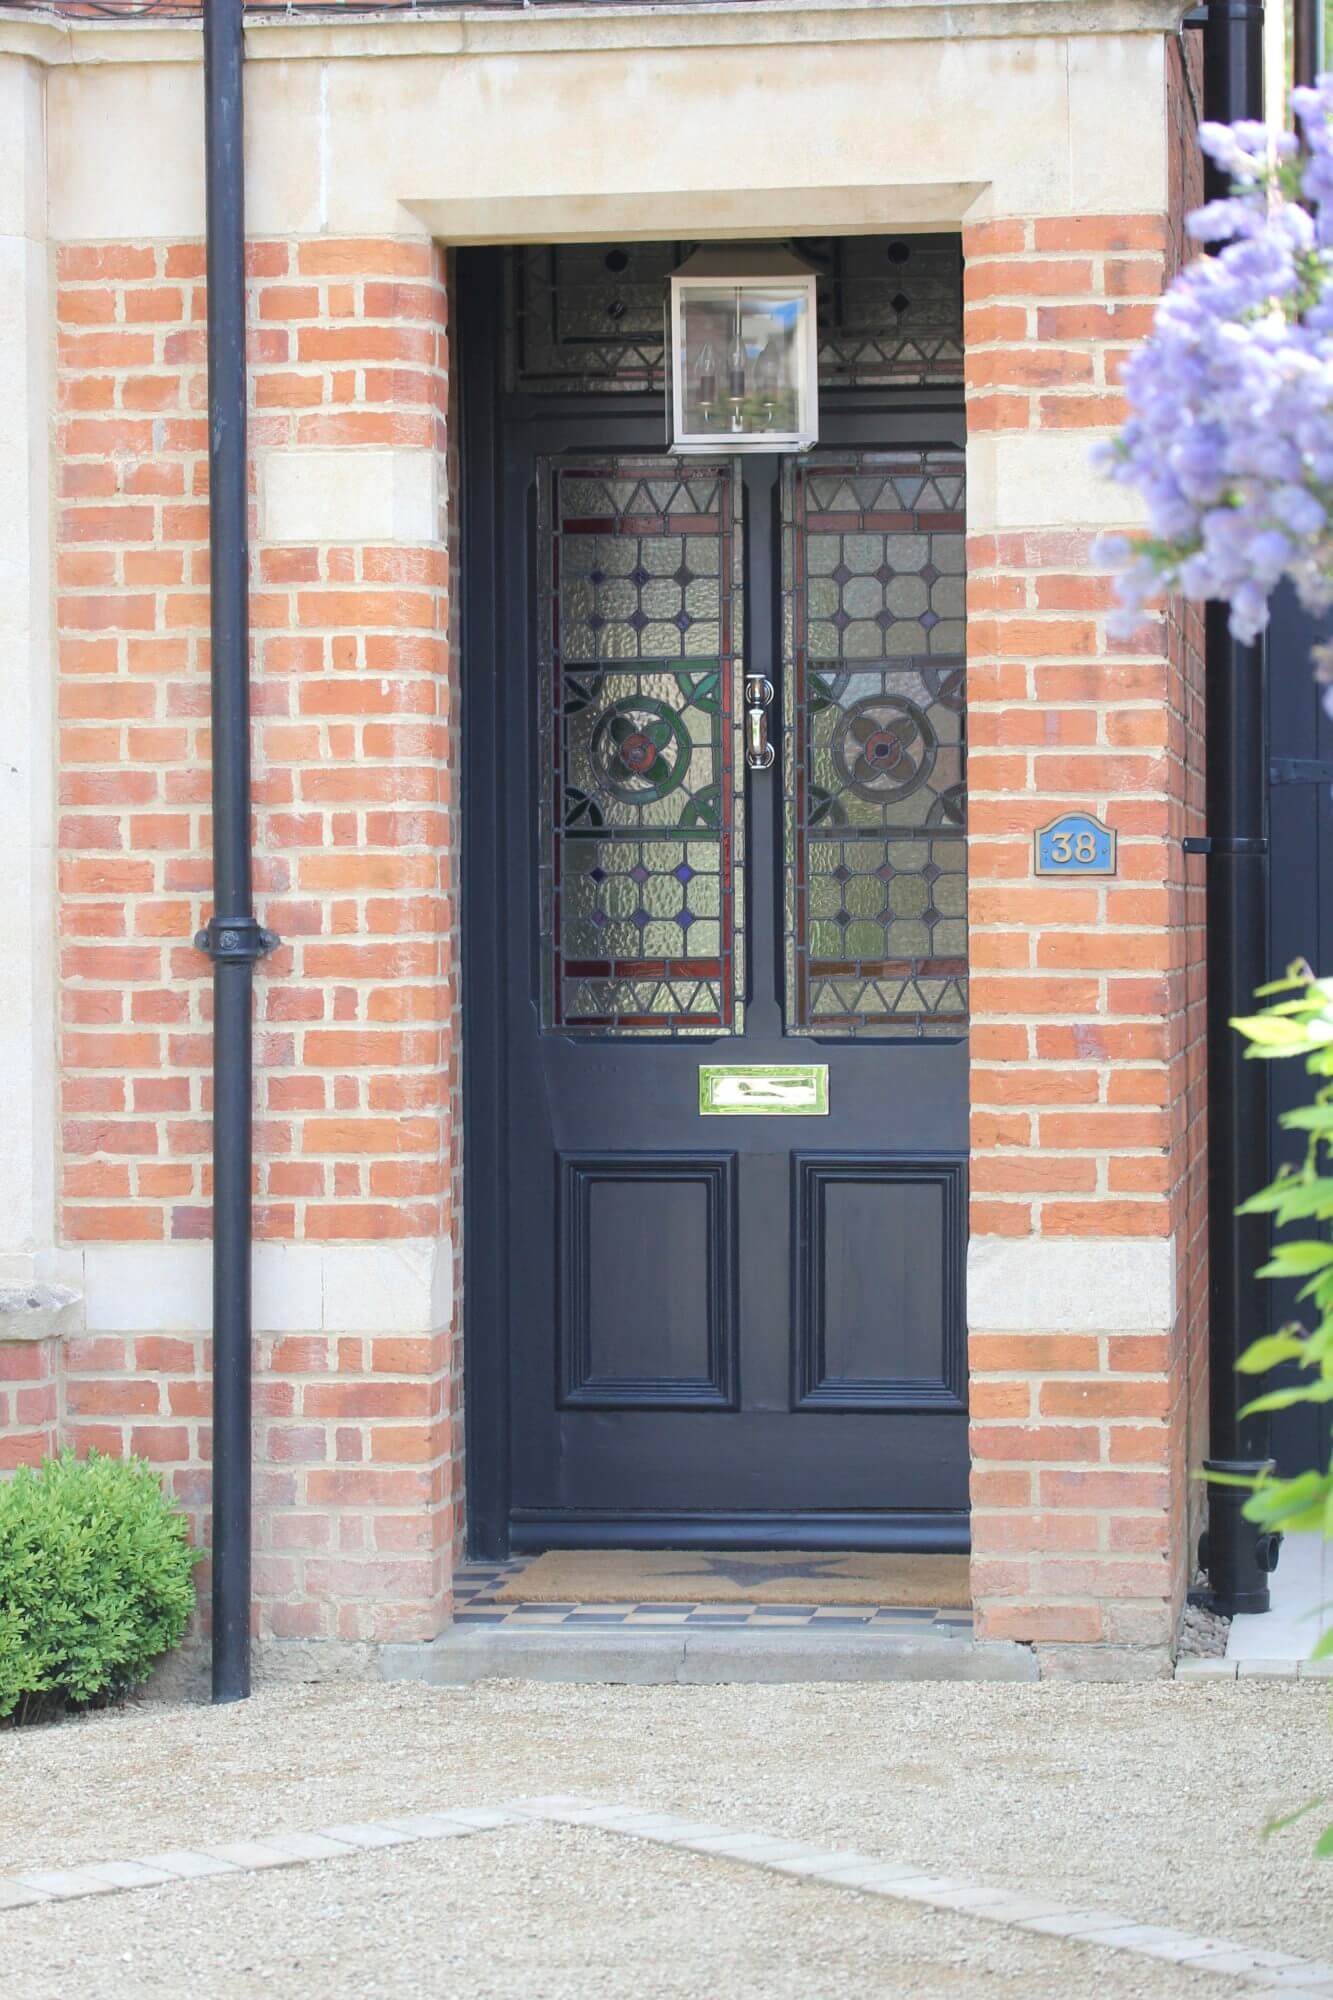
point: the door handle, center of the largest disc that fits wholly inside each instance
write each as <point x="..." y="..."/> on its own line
<point x="759" y="752"/>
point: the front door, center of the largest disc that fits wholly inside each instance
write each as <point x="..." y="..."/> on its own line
<point x="723" y="752"/>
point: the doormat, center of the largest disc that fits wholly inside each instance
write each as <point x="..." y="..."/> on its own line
<point x="750" y="1576"/>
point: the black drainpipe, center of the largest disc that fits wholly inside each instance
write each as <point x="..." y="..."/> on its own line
<point x="232" y="939"/>
<point x="1236" y="1557"/>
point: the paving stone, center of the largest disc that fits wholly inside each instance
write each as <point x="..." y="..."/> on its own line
<point x="365" y="1833"/>
<point x="1077" y="1923"/>
<point x="1223" y="1956"/>
<point x="61" y="1882"/>
<point x="1012" y="1909"/>
<point x="129" y="1874"/>
<point x="938" y="1890"/>
<point x="307" y="1846"/>
<point x="760" y="1848"/>
<point x="16" y="1896"/>
<point x="968" y="1897"/>
<point x="1155" y="1941"/>
<point x="809" y="1861"/>
<point x="1190" y="1669"/>
<point x="431" y="1826"/>
<point x="1310" y="1975"/>
<point x="874" y="1877"/>
<point x="484" y="1816"/>
<point x="1315" y="1670"/>
<point x="187" y="1863"/>
<point x="1273" y="1670"/>
<point x="252" y="1854"/>
<point x="559" y="1804"/>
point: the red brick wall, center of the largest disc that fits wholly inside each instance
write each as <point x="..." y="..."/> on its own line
<point x="29" y="1401"/>
<point x="352" y="783"/>
<point x="1086" y="996"/>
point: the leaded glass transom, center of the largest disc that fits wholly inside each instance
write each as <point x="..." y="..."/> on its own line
<point x="874" y="716"/>
<point x="590" y="316"/>
<point x="641" y="799"/>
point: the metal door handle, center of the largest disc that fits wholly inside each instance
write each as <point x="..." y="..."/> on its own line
<point x="759" y="752"/>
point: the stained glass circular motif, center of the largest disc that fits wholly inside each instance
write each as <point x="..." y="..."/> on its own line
<point x="640" y="749"/>
<point x="885" y="748"/>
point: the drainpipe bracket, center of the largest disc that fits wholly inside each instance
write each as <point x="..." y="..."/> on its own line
<point x="235" y="940"/>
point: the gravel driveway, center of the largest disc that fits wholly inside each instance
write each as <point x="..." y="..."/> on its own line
<point x="1147" y="1800"/>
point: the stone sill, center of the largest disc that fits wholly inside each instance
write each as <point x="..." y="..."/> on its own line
<point x="585" y="25"/>
<point x="36" y="1312"/>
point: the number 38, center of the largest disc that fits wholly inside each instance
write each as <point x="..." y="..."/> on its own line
<point x="1067" y="847"/>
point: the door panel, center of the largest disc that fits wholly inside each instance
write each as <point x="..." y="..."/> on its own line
<point x="649" y="1243"/>
<point x="879" y="1262"/>
<point x="739" y="1329"/>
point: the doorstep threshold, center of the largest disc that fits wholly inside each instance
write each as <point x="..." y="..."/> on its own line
<point x="463" y="1655"/>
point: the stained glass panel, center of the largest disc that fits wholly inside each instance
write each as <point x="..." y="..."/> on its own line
<point x="641" y="817"/>
<point x="588" y="317"/>
<point x="874" y="719"/>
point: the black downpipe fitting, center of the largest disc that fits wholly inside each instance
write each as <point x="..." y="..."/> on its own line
<point x="1236" y="1556"/>
<point x="232" y="938"/>
<point x="1307" y="40"/>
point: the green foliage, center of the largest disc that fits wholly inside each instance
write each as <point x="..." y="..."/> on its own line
<point x="96" y="1582"/>
<point x="1300" y="1023"/>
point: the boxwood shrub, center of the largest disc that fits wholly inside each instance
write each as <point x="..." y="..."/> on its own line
<point x="96" y="1582"/>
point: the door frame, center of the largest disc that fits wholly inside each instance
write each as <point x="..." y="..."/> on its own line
<point x="477" y="329"/>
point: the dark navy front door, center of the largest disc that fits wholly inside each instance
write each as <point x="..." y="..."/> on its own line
<point x="742" y="1326"/>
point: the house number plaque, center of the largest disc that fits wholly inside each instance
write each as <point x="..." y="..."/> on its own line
<point x="767" y="1090"/>
<point x="1074" y="844"/>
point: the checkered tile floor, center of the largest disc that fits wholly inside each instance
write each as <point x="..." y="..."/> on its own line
<point x="476" y="1583"/>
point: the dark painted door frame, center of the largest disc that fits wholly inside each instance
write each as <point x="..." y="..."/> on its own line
<point x="485" y="586"/>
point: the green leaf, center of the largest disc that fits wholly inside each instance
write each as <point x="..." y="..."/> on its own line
<point x="1296" y="1260"/>
<point x="1283" y="1399"/>
<point x="1268" y="1352"/>
<point x="1269" y="1032"/>
<point x="1308" y="1118"/>
<point x="1323" y="1847"/>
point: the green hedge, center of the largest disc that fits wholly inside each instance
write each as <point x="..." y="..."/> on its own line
<point x="96" y="1582"/>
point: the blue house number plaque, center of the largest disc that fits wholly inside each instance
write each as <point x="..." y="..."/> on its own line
<point x="1074" y="844"/>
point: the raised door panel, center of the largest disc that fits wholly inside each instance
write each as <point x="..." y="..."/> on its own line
<point x="648" y="1282"/>
<point x="878" y="1283"/>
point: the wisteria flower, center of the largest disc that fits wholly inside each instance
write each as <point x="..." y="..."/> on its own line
<point x="1229" y="440"/>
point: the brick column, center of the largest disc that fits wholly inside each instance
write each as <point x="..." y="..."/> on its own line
<point x="1084" y="1289"/>
<point x="349" y="612"/>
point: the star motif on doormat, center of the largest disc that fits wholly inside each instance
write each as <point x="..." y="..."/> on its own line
<point x="734" y="1569"/>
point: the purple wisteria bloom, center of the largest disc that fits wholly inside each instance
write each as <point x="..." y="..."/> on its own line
<point x="1230" y="435"/>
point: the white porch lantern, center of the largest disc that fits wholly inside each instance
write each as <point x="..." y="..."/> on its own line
<point x="744" y="351"/>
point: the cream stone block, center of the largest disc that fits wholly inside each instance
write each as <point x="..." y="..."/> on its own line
<point x="348" y="495"/>
<point x="1117" y="124"/>
<point x="387" y="1287"/>
<point x="735" y="213"/>
<point x="22" y="117"/>
<point x="27" y="1027"/>
<point x="1042" y="479"/>
<point x="402" y="1287"/>
<point x="795" y="115"/>
<point x="481" y="115"/>
<point x="1095" y="1285"/>
<point x="126" y="150"/>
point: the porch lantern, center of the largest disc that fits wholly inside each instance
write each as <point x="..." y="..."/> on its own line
<point x="744" y="351"/>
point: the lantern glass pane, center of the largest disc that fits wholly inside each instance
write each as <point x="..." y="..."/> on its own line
<point x="742" y="359"/>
